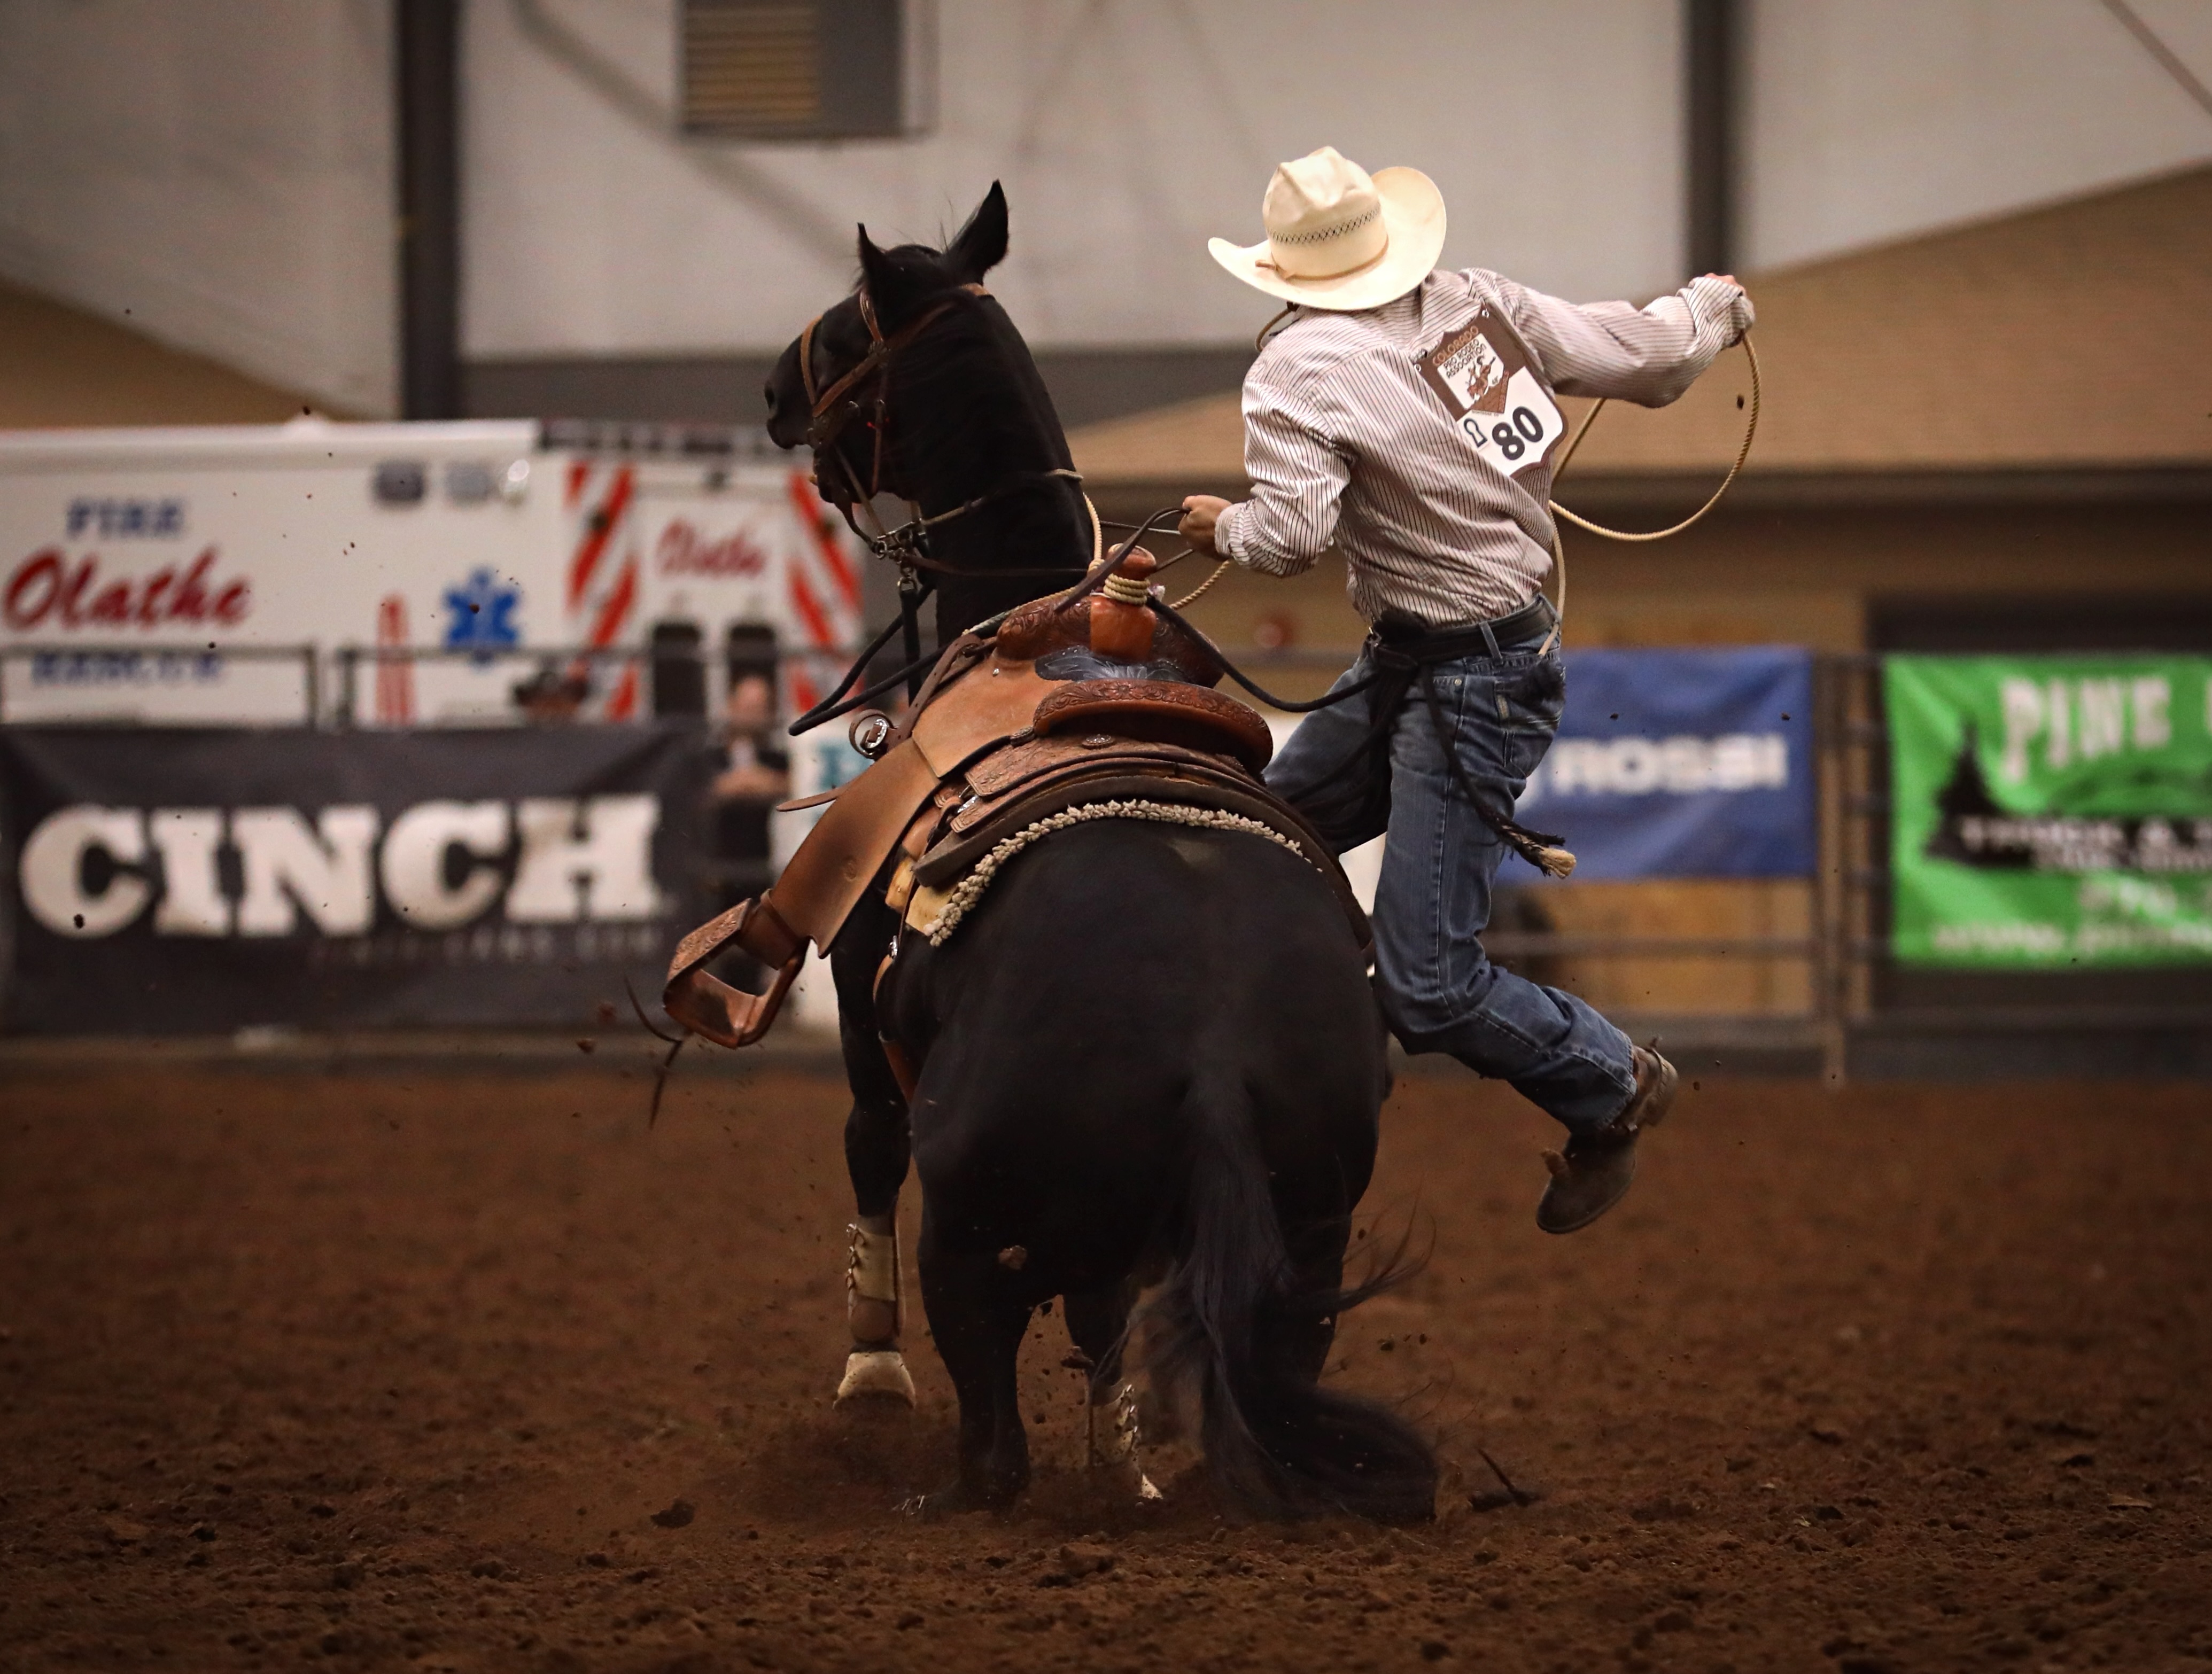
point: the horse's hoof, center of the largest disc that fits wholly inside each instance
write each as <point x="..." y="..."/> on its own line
<point x="958" y="1500"/>
<point x="1121" y="1450"/>
<point x="875" y="1374"/>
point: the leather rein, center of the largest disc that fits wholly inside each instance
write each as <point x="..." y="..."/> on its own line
<point x="833" y="410"/>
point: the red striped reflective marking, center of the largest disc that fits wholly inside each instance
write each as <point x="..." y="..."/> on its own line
<point x="615" y="611"/>
<point x="813" y="517"/>
<point x="812" y="613"/>
<point x="622" y="704"/>
<point x="596" y="537"/>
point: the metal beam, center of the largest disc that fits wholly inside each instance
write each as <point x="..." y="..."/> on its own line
<point x="427" y="59"/>
<point x="1711" y="55"/>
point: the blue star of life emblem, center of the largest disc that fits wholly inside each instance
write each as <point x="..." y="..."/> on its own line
<point x="482" y="619"/>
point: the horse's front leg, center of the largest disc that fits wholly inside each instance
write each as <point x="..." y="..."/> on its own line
<point x="878" y="1148"/>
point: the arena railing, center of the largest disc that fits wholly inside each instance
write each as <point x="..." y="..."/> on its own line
<point x="117" y="667"/>
<point x="349" y="660"/>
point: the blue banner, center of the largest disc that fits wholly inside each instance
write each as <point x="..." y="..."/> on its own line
<point x="1682" y="764"/>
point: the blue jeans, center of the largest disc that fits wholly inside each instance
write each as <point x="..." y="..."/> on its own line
<point x="1440" y="992"/>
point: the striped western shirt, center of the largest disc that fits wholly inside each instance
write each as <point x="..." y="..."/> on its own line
<point x="1351" y="437"/>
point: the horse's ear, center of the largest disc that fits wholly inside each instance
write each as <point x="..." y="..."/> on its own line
<point x="896" y="292"/>
<point x="981" y="245"/>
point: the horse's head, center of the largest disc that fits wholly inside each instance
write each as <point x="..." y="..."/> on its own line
<point x="917" y="385"/>
<point x="899" y="289"/>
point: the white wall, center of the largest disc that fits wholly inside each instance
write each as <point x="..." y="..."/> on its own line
<point x="1125" y="130"/>
<point x="223" y="168"/>
<point x="1873" y="119"/>
<point x="219" y="170"/>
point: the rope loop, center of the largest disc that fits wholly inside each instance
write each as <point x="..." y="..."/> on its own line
<point x="1559" y="552"/>
<point x="1742" y="454"/>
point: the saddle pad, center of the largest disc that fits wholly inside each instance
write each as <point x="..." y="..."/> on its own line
<point x="936" y="913"/>
<point x="1008" y="769"/>
<point x="1192" y="785"/>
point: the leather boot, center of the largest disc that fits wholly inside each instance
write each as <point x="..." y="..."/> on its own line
<point x="872" y="1309"/>
<point x="1594" y="1172"/>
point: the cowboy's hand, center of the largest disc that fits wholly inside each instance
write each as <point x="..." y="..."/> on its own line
<point x="1201" y="513"/>
<point x="1730" y="279"/>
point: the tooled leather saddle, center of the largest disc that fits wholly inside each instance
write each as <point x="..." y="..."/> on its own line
<point x="1060" y="715"/>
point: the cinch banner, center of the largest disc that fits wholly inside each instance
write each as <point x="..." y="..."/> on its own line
<point x="180" y="881"/>
<point x="2050" y="812"/>
<point x="1682" y="764"/>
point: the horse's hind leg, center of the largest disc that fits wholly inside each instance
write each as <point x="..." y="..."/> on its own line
<point x="978" y="1323"/>
<point x="1317" y="1257"/>
<point x="1098" y="1321"/>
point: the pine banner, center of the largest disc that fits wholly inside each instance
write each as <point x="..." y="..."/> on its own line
<point x="2050" y="812"/>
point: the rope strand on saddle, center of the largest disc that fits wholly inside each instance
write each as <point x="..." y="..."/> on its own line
<point x="825" y="710"/>
<point x="1288" y="705"/>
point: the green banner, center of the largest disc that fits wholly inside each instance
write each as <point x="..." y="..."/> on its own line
<point x="2050" y="812"/>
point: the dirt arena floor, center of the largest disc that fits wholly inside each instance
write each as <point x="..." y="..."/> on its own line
<point x="472" y="1372"/>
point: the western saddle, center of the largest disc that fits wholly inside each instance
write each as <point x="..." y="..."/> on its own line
<point x="1062" y="714"/>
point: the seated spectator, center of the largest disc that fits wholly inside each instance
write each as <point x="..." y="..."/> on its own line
<point x="549" y="697"/>
<point x="753" y="771"/>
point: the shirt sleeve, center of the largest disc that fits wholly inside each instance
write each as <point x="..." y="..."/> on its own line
<point x="1298" y="476"/>
<point x="1648" y="355"/>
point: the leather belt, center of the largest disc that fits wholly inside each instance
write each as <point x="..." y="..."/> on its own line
<point x="1425" y="644"/>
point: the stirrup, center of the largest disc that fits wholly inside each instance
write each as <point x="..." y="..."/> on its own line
<point x="1121" y="1447"/>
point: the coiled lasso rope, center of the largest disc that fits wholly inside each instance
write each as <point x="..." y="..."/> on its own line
<point x="1559" y="552"/>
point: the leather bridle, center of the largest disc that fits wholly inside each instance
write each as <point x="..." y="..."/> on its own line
<point x="864" y="391"/>
<point x="833" y="409"/>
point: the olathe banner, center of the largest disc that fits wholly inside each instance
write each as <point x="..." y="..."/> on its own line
<point x="172" y="880"/>
<point x="1682" y="764"/>
<point x="2050" y="812"/>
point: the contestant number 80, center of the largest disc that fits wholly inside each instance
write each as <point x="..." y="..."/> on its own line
<point x="1512" y="433"/>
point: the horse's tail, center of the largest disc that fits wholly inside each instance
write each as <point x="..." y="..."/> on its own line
<point x="1232" y="1328"/>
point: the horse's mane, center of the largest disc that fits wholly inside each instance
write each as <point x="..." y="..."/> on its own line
<point x="920" y="266"/>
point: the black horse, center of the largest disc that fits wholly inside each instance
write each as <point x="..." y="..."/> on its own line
<point x="1152" y="1050"/>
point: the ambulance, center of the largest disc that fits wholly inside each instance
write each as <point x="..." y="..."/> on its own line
<point x="403" y="575"/>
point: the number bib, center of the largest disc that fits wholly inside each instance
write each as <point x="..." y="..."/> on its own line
<point x="1495" y="400"/>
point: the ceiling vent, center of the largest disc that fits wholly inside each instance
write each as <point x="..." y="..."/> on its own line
<point x="799" y="70"/>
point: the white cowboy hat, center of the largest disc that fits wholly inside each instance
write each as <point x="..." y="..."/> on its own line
<point x="1338" y="238"/>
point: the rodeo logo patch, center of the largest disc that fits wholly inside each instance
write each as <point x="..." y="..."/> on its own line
<point x="1496" y="401"/>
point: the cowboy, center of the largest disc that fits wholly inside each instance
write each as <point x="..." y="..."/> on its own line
<point x="1408" y="416"/>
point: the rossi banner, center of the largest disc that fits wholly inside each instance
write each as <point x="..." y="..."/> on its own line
<point x="169" y="880"/>
<point x="2050" y="812"/>
<point x="1681" y="764"/>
